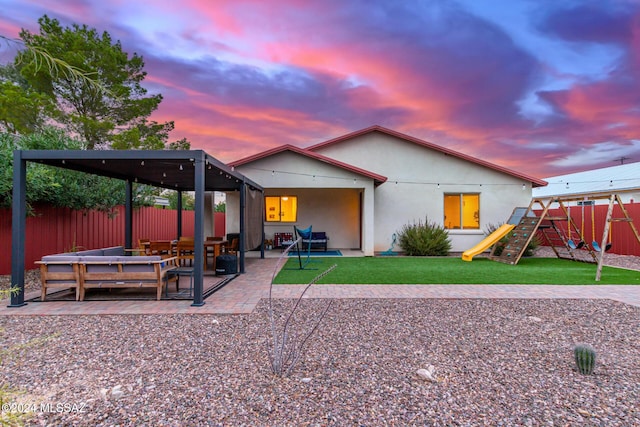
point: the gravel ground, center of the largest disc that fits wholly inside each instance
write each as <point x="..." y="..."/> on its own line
<point x="497" y="362"/>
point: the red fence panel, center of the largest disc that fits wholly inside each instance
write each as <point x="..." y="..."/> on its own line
<point x="55" y="230"/>
<point x="591" y="221"/>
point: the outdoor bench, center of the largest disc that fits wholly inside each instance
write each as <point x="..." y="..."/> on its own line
<point x="104" y="268"/>
<point x="124" y="272"/>
<point x="62" y="270"/>
<point x="319" y="240"/>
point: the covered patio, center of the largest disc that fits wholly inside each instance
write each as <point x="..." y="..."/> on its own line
<point x="192" y="170"/>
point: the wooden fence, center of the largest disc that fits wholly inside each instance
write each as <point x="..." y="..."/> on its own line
<point x="54" y="230"/>
<point x="623" y="241"/>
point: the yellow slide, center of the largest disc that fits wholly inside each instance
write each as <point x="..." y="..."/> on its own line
<point x="488" y="241"/>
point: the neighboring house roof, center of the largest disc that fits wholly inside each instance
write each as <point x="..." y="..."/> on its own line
<point x="621" y="178"/>
<point x="376" y="128"/>
<point x="377" y="179"/>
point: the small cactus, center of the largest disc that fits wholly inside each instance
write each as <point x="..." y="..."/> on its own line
<point x="585" y="356"/>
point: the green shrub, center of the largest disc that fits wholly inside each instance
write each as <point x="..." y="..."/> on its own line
<point x="424" y="239"/>
<point x="531" y="247"/>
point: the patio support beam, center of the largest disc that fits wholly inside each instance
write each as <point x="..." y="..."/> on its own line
<point x="18" y="227"/>
<point x="198" y="238"/>
<point x="262" y="226"/>
<point x="243" y="206"/>
<point x="128" y="214"/>
<point x="179" y="209"/>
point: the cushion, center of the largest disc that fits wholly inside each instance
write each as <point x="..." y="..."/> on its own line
<point x="57" y="258"/>
<point x="113" y="251"/>
<point x="139" y="258"/>
<point x="90" y="252"/>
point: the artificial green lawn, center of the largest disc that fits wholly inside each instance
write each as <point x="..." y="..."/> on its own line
<point x="450" y="270"/>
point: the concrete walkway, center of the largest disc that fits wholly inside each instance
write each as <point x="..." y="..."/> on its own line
<point x="243" y="293"/>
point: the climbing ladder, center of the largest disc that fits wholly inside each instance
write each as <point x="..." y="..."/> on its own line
<point x="526" y="227"/>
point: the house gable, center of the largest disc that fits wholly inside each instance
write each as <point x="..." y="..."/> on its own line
<point x="374" y="142"/>
<point x="290" y="160"/>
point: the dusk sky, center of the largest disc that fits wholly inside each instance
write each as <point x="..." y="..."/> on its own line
<point x="542" y="87"/>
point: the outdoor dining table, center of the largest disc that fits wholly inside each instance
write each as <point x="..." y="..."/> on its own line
<point x="217" y="246"/>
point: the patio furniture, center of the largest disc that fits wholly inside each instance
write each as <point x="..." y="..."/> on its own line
<point x="185" y="252"/>
<point x="209" y="250"/>
<point x="215" y="248"/>
<point x="60" y="273"/>
<point x="176" y="273"/>
<point x="162" y="248"/>
<point x="124" y="272"/>
<point x="317" y="240"/>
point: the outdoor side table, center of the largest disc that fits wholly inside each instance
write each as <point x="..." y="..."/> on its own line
<point x="181" y="271"/>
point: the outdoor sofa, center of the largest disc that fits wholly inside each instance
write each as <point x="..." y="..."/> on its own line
<point x="319" y="240"/>
<point x="104" y="268"/>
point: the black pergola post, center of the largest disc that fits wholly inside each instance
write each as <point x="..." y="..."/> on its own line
<point x="18" y="228"/>
<point x="128" y="214"/>
<point x="243" y="205"/>
<point x="179" y="219"/>
<point x="198" y="238"/>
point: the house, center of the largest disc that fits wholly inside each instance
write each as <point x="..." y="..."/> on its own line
<point x="361" y="188"/>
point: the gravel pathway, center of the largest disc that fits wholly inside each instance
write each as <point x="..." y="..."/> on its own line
<point x="497" y="362"/>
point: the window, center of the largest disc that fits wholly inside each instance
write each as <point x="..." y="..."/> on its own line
<point x="462" y="211"/>
<point x="281" y="208"/>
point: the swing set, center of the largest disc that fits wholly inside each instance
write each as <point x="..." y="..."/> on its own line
<point x="552" y="230"/>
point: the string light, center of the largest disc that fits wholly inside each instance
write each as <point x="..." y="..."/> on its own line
<point x="391" y="180"/>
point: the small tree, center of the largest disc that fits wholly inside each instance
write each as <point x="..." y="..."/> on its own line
<point x="424" y="239"/>
<point x="97" y="117"/>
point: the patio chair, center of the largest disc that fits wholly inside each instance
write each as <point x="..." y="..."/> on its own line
<point x="143" y="247"/>
<point x="160" y="247"/>
<point x="185" y="252"/>
<point x="232" y="248"/>
<point x="210" y="250"/>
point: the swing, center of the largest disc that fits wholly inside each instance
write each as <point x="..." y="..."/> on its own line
<point x="581" y="242"/>
<point x="596" y="247"/>
<point x="571" y="243"/>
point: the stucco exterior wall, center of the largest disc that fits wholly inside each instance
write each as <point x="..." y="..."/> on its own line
<point x="330" y="198"/>
<point x="418" y="179"/>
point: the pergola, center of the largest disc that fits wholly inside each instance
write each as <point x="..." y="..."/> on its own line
<point x="179" y="170"/>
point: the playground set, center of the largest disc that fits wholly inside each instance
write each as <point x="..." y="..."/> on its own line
<point x="561" y="232"/>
